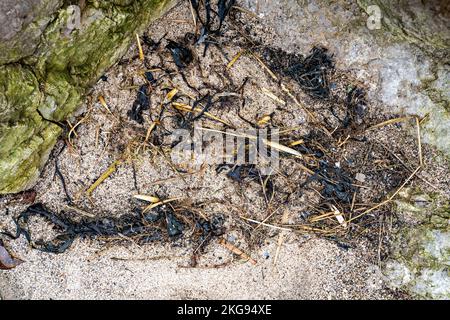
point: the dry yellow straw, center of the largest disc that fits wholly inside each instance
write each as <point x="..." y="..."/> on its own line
<point x="419" y="141"/>
<point x="186" y="107"/>
<point x="235" y="58"/>
<point x="154" y="205"/>
<point x="387" y="122"/>
<point x="141" y="52"/>
<point x="104" y="176"/>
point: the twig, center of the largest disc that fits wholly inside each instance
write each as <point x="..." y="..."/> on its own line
<point x="154" y="205"/>
<point x="419" y="142"/>
<point x="266" y="224"/>
<point x="235" y="58"/>
<point x="103" y="177"/>
<point x="237" y="251"/>
<point x="273" y="96"/>
<point x="141" y="52"/>
<point x="387" y="122"/>
<point x="284" y="220"/>
<point x="388" y="199"/>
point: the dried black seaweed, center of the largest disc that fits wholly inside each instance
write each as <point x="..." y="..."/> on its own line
<point x="141" y="103"/>
<point x="152" y="44"/>
<point x="150" y="78"/>
<point x="337" y="184"/>
<point x="248" y="173"/>
<point x="127" y="225"/>
<point x="141" y="227"/>
<point x="311" y="73"/>
<point x="181" y="55"/>
<point x="223" y="8"/>
<point x="356" y="105"/>
<point x="207" y="29"/>
<point x="61" y="176"/>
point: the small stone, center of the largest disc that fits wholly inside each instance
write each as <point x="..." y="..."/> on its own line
<point x="360" y="177"/>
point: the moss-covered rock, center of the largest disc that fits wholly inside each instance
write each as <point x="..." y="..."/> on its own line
<point x="21" y="26"/>
<point x="419" y="22"/>
<point x="420" y="260"/>
<point x="25" y="138"/>
<point x="46" y="65"/>
<point x="416" y="81"/>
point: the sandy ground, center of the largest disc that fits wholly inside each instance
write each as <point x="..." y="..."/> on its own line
<point x="316" y="269"/>
<point x="308" y="267"/>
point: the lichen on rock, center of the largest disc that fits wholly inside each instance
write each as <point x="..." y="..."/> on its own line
<point x="420" y="258"/>
<point x="22" y="24"/>
<point x="410" y="21"/>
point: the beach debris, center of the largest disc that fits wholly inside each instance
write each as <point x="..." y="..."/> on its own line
<point x="264" y="120"/>
<point x="144" y="197"/>
<point x="102" y="101"/>
<point x="68" y="230"/>
<point x="207" y="30"/>
<point x="8" y="261"/>
<point x="181" y="55"/>
<point x="139" y="226"/>
<point x="223" y="8"/>
<point x="141" y="103"/>
<point x="356" y="107"/>
<point x="248" y="173"/>
<point x="339" y="217"/>
<point x="141" y="52"/>
<point x="361" y="177"/>
<point x="337" y="184"/>
<point x="311" y="72"/>
<point x="171" y="94"/>
<point x="150" y="77"/>
<point x="158" y="203"/>
<point x="235" y="58"/>
<point x="327" y="161"/>
<point x="174" y="226"/>
<point x="272" y="96"/>
<point x="152" y="44"/>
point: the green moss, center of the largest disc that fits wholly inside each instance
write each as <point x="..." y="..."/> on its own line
<point x="19" y="97"/>
<point x="55" y="78"/>
<point x="420" y="251"/>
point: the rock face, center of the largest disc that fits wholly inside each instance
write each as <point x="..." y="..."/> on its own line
<point x="420" y="257"/>
<point x="416" y="73"/>
<point x="51" y="51"/>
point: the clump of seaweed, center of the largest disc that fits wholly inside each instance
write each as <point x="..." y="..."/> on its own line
<point x="337" y="184"/>
<point x="181" y="55"/>
<point x="141" y="227"/>
<point x="209" y="19"/>
<point x="249" y="173"/>
<point x="310" y="72"/>
<point x="356" y="104"/>
<point x="141" y="103"/>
